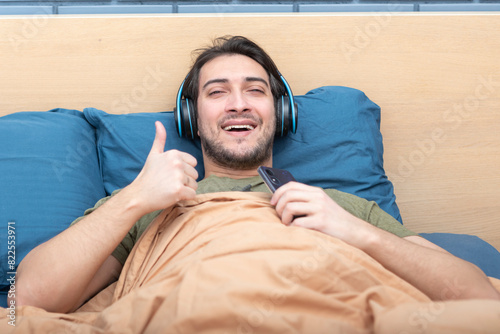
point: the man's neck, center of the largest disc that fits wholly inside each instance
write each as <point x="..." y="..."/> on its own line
<point x="231" y="173"/>
<point x="220" y="171"/>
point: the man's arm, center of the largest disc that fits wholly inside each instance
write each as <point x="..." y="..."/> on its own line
<point x="61" y="273"/>
<point x="108" y="273"/>
<point x="426" y="266"/>
<point x="55" y="274"/>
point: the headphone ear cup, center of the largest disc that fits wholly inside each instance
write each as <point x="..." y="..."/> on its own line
<point x="189" y="122"/>
<point x="185" y="116"/>
<point x="179" y="126"/>
<point x="287" y="111"/>
<point x="283" y="116"/>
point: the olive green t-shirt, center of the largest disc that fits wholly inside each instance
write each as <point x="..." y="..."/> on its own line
<point x="367" y="210"/>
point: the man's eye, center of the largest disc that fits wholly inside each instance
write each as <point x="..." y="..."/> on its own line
<point x="257" y="90"/>
<point x="215" y="92"/>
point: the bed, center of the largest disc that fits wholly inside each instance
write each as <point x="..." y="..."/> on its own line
<point x="416" y="97"/>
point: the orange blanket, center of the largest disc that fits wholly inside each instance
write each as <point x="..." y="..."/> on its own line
<point x="223" y="263"/>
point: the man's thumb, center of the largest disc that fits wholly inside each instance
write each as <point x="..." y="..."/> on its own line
<point x="160" y="138"/>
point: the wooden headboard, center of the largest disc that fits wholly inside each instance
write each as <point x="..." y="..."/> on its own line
<point x="436" y="77"/>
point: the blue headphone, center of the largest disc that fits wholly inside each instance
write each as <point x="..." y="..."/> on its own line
<point x="187" y="126"/>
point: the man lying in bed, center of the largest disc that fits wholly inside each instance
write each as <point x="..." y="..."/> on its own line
<point x="235" y="87"/>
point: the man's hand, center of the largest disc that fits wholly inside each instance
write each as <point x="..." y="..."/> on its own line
<point x="166" y="178"/>
<point x="302" y="205"/>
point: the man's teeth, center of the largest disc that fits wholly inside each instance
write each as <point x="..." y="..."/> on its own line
<point x="238" y="127"/>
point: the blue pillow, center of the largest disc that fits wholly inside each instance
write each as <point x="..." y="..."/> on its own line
<point x="470" y="248"/>
<point x="337" y="145"/>
<point x="49" y="175"/>
<point x="124" y="142"/>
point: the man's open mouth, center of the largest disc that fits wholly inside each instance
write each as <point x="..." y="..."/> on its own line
<point x="239" y="128"/>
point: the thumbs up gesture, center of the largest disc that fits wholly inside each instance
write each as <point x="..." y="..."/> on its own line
<point x="166" y="178"/>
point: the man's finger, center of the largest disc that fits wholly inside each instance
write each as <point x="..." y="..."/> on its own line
<point x="282" y="190"/>
<point x="189" y="159"/>
<point x="160" y="138"/>
<point x="191" y="172"/>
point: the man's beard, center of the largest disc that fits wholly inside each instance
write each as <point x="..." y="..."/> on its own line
<point x="248" y="159"/>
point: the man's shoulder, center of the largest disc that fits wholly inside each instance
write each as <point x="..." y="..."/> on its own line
<point x="339" y="195"/>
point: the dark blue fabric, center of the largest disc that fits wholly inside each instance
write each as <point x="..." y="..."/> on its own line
<point x="470" y="248"/>
<point x="49" y="175"/>
<point x="338" y="145"/>
<point x="3" y="297"/>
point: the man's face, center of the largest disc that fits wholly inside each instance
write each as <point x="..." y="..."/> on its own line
<point x="236" y="116"/>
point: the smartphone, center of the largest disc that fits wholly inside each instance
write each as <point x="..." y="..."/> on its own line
<point x="274" y="177"/>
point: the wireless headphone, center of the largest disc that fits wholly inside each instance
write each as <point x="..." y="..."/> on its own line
<point x="187" y="126"/>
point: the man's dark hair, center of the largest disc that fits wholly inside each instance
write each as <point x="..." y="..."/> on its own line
<point x="232" y="45"/>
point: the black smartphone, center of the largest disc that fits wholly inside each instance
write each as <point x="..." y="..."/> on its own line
<point x="274" y="177"/>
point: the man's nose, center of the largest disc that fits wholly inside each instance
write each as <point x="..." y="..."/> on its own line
<point x="237" y="103"/>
